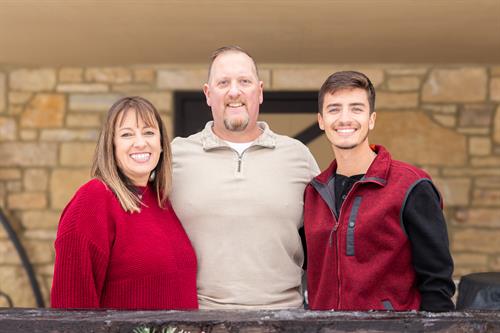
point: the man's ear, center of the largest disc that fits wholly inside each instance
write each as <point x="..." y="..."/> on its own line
<point x="371" y="123"/>
<point x="206" y="91"/>
<point x="321" y="123"/>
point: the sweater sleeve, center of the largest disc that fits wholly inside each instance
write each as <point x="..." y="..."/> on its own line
<point x="82" y="251"/>
<point x="426" y="228"/>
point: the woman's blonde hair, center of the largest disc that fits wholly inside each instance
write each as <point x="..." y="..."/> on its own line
<point x="105" y="167"/>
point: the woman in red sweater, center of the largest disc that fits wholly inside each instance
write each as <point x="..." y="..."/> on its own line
<point x="119" y="243"/>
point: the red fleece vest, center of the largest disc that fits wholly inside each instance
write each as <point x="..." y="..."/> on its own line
<point x="362" y="260"/>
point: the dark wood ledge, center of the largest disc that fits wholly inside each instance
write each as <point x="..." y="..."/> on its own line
<point x="112" y="321"/>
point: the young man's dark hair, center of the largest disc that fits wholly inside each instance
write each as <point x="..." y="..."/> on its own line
<point x="347" y="80"/>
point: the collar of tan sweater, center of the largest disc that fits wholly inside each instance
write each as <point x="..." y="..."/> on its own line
<point x="211" y="141"/>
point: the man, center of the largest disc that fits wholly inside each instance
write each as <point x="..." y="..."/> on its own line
<point x="375" y="231"/>
<point x="238" y="190"/>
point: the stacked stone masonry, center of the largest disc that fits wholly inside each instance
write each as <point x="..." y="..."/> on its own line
<point x="445" y="119"/>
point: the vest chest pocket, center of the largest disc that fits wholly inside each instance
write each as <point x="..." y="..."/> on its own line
<point x="351" y="226"/>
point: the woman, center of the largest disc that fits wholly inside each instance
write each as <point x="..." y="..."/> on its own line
<point x="119" y="243"/>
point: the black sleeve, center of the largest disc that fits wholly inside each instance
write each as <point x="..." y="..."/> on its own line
<point x="425" y="225"/>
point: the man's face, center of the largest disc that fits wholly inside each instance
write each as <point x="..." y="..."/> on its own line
<point x="234" y="92"/>
<point x="346" y="118"/>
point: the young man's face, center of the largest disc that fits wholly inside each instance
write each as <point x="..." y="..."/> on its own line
<point x="234" y="92"/>
<point x="346" y="118"/>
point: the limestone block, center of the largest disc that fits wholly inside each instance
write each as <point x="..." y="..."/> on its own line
<point x="28" y="154"/>
<point x="82" y="87"/>
<point x="479" y="217"/>
<point x="14" y="186"/>
<point x="71" y="75"/>
<point x="407" y="71"/>
<point x="495" y="263"/>
<point x="28" y="135"/>
<point x="83" y="120"/>
<point x="8" y="129"/>
<point x="466" y="84"/>
<point x="161" y="100"/>
<point x="3" y="92"/>
<point x="387" y="100"/>
<point x="457" y="172"/>
<point x="455" y="191"/>
<point x="64" y="183"/>
<point x="27" y="200"/>
<point x="486" y="197"/>
<point x="40" y="219"/>
<point x="33" y="80"/>
<point x="488" y="161"/>
<point x="41" y="234"/>
<point x="14" y="282"/>
<point x="44" y="110"/>
<point x="8" y="254"/>
<point x="496" y="126"/>
<point x="17" y="97"/>
<point x="311" y="78"/>
<point x="35" y="179"/>
<point x="77" y="154"/>
<point x="440" y="108"/>
<point x="10" y="174"/>
<point x="403" y="83"/>
<point x="474" y="130"/>
<point x="131" y="88"/>
<point x="108" y="75"/>
<point x="479" y="146"/>
<point x="15" y="109"/>
<point x="476" y="115"/>
<point x="178" y="79"/>
<point x="144" y="75"/>
<point x="475" y="240"/>
<point x="92" y="102"/>
<point x="40" y="252"/>
<point x="445" y="120"/>
<point x="69" y="135"/>
<point x="488" y="182"/>
<point x="495" y="89"/>
<point x="413" y="137"/>
<point x="470" y="259"/>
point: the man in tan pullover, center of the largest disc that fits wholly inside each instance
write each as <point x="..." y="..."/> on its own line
<point x="238" y="191"/>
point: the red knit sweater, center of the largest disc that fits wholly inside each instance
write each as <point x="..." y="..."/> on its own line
<point x="108" y="258"/>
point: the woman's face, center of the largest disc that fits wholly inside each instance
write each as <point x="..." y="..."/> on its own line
<point x="137" y="147"/>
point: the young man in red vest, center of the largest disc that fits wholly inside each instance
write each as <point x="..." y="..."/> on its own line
<point x="376" y="235"/>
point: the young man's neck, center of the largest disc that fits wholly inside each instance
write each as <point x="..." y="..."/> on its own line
<point x="355" y="161"/>
<point x="248" y="135"/>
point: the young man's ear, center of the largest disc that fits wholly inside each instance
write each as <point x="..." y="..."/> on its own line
<point x="371" y="123"/>
<point x="321" y="123"/>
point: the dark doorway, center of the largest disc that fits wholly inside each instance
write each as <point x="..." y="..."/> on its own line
<point x="192" y="111"/>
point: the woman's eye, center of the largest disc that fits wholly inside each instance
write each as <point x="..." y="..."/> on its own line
<point x="125" y="135"/>
<point x="149" y="133"/>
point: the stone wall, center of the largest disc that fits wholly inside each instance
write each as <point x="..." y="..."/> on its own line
<point x="443" y="118"/>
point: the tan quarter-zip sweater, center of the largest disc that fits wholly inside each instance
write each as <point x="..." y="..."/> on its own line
<point x="242" y="213"/>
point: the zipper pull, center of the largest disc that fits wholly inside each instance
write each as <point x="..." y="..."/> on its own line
<point x="334" y="229"/>
<point x="239" y="163"/>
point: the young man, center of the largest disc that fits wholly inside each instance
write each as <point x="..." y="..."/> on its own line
<point x="238" y="190"/>
<point x="376" y="235"/>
